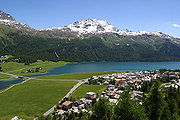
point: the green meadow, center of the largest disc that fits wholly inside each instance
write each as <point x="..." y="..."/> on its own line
<point x="20" y="69"/>
<point x="83" y="89"/>
<point x="38" y="95"/>
<point x="78" y="76"/>
<point x="32" y="98"/>
<point x="4" y="77"/>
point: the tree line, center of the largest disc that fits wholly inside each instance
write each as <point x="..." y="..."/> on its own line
<point x="29" y="48"/>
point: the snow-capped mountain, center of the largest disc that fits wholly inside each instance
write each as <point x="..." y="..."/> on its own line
<point x="5" y="16"/>
<point x="85" y="40"/>
<point x="95" y="26"/>
<point x="92" y="26"/>
<point x="8" y="20"/>
<point x="82" y="28"/>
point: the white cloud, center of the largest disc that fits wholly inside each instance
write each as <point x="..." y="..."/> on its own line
<point x="176" y="25"/>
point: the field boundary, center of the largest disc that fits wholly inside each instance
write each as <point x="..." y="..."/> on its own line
<point x="67" y="95"/>
<point x="14" y="86"/>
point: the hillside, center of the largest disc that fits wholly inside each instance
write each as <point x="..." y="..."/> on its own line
<point x="86" y="40"/>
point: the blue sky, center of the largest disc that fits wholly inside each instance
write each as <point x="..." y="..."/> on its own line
<point x="135" y="15"/>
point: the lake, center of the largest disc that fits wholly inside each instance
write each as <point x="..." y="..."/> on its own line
<point x="6" y="83"/>
<point x="99" y="67"/>
<point x="109" y="66"/>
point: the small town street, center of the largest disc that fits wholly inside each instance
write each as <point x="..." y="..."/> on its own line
<point x="67" y="95"/>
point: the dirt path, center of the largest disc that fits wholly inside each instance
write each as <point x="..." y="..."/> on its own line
<point x="16" y="76"/>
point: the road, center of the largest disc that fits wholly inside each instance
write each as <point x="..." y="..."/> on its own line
<point x="16" y="76"/>
<point x="56" y="79"/>
<point x="67" y="95"/>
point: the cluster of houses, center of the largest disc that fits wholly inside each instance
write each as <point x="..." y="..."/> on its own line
<point x="173" y="77"/>
<point x="2" y="58"/>
<point x="113" y="94"/>
<point x="5" y="56"/>
<point x="77" y="105"/>
<point x="32" y="70"/>
<point x="115" y="88"/>
<point x="122" y="80"/>
<point x="133" y="79"/>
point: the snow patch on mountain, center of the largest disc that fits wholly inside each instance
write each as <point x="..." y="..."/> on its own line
<point x="8" y="20"/>
<point x="13" y="23"/>
<point x="126" y="33"/>
<point x="83" y="27"/>
<point x="95" y="26"/>
<point x="92" y="26"/>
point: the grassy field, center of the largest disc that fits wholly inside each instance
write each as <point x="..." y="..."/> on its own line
<point x="4" y="77"/>
<point x="32" y="98"/>
<point x="20" y="68"/>
<point x="78" y="76"/>
<point x="83" y="89"/>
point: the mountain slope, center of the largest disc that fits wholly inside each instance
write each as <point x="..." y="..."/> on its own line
<point x="8" y="20"/>
<point x="86" y="40"/>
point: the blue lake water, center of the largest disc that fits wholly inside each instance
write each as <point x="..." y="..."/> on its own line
<point x="99" y="67"/>
<point x="6" y="83"/>
<point x="109" y="66"/>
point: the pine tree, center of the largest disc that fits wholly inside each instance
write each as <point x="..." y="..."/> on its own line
<point x="101" y="110"/>
<point x="154" y="102"/>
<point x="166" y="115"/>
<point x="128" y="109"/>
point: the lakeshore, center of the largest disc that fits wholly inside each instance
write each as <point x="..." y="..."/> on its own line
<point x="43" y="81"/>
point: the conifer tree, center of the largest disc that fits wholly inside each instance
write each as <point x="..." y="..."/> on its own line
<point x="154" y="102"/>
<point x="128" y="109"/>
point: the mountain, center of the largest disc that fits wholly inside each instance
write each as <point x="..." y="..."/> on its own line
<point x="95" y="26"/>
<point x="8" y="20"/>
<point x="90" y="26"/>
<point x="85" y="40"/>
<point x="81" y="28"/>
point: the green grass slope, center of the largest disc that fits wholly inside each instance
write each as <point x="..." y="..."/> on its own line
<point x="83" y="89"/>
<point x="4" y="77"/>
<point x="32" y="98"/>
<point x="20" y="68"/>
<point x="78" y="76"/>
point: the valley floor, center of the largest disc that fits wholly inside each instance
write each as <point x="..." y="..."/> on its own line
<point x="21" y="69"/>
<point x="37" y="95"/>
<point x="4" y="77"/>
<point x="32" y="98"/>
<point x="78" y="76"/>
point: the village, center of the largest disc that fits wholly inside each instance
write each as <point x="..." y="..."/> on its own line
<point x="116" y="83"/>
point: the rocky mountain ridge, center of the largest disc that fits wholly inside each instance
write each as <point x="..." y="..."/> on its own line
<point x="82" y="41"/>
<point x="82" y="28"/>
<point x="95" y="26"/>
<point x="8" y="20"/>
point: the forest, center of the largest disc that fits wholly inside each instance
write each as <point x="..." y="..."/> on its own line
<point x="29" y="48"/>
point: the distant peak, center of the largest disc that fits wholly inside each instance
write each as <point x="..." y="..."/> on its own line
<point x="95" y="26"/>
<point x="92" y="26"/>
<point x="8" y="20"/>
<point x="5" y="16"/>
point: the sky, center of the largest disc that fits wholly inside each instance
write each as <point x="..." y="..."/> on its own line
<point x="134" y="15"/>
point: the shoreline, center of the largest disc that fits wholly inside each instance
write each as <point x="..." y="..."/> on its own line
<point x="13" y="76"/>
<point x="13" y="85"/>
<point x="70" y="74"/>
